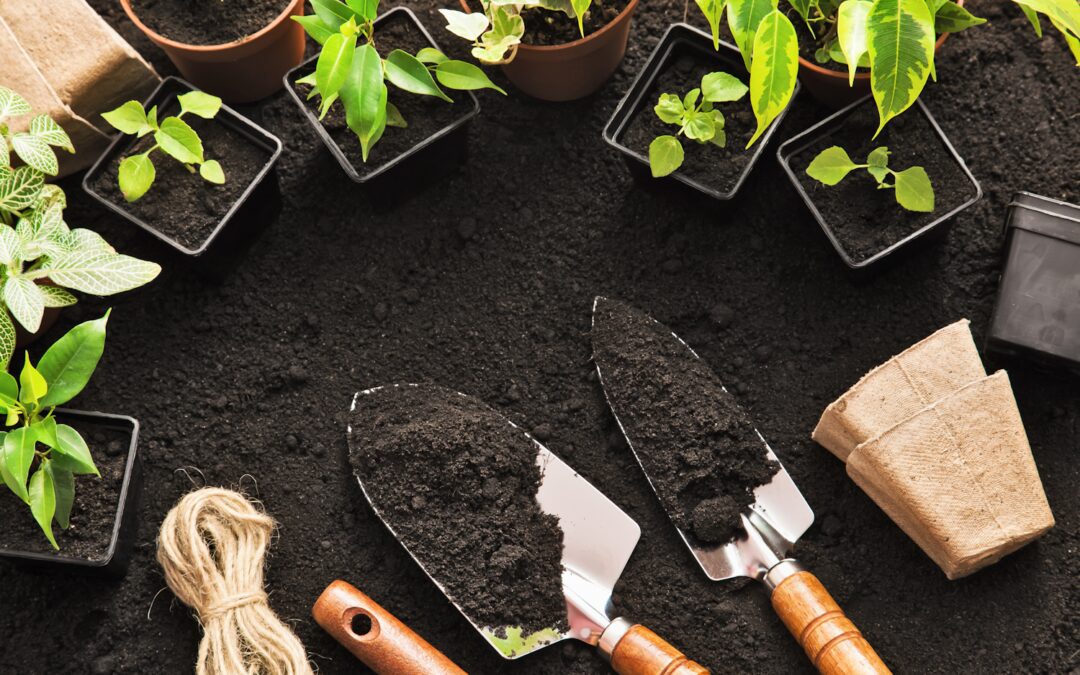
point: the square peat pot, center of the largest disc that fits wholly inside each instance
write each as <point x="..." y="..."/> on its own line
<point x="209" y="225"/>
<point x="119" y="529"/>
<point x="866" y="226"/>
<point x="405" y="159"/>
<point x="1037" y="313"/>
<point x="683" y="55"/>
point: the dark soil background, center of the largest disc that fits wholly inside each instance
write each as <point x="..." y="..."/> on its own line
<point x="207" y="22"/>
<point x="484" y="283"/>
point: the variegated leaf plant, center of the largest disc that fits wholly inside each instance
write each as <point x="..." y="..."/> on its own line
<point x="496" y="32"/>
<point x="1064" y="15"/>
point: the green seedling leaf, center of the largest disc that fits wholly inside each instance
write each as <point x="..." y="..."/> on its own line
<point x="129" y="118"/>
<point x="315" y="27"/>
<point x="700" y="127"/>
<point x="431" y="56"/>
<point x="43" y="501"/>
<point x="878" y="164"/>
<point x="100" y="272"/>
<point x="364" y="96"/>
<point x="64" y="485"/>
<point x="831" y="166"/>
<point x="744" y="18"/>
<point x="913" y="189"/>
<point x="333" y="67"/>
<point x="851" y="32"/>
<point x="408" y="73"/>
<point x="19" y="188"/>
<point x="211" y="171"/>
<point x="19" y="447"/>
<point x="773" y="71"/>
<point x="721" y="87"/>
<point x="394" y="117"/>
<point x="900" y="40"/>
<point x="580" y="7"/>
<point x="11" y="104"/>
<point x="25" y="302"/>
<point x="179" y="140"/>
<point x="465" y="25"/>
<point x="719" y="138"/>
<point x="464" y="76"/>
<point x="713" y="11"/>
<point x="74" y="451"/>
<point x="200" y="104"/>
<point x="670" y="109"/>
<point x="136" y="176"/>
<point x="665" y="155"/>
<point x="690" y="100"/>
<point x="68" y="364"/>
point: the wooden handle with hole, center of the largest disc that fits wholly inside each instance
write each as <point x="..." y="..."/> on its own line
<point x="831" y="640"/>
<point x="376" y="637"/>
<point x="643" y="652"/>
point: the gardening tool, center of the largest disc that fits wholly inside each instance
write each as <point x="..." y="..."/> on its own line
<point x="598" y="538"/>
<point x="761" y="551"/>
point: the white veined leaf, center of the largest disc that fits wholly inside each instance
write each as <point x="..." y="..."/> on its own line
<point x="45" y="128"/>
<point x="774" y="70"/>
<point x="851" y="32"/>
<point x="5" y="154"/>
<point x="900" y="40"/>
<point x="84" y="240"/>
<point x="744" y="17"/>
<point x="25" y="302"/>
<point x="468" y="26"/>
<point x="54" y="296"/>
<point x="99" y="273"/>
<point x="11" y="104"/>
<point x="10" y="244"/>
<point x="7" y="348"/>
<point x="52" y="194"/>
<point x="19" y="188"/>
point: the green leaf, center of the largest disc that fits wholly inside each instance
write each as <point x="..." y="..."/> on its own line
<point x="25" y="302"/>
<point x="670" y="109"/>
<point x="831" y="165"/>
<point x="315" y="27"/>
<point x="713" y="11"/>
<point x="333" y="13"/>
<point x="1033" y="17"/>
<point x="1064" y="13"/>
<point x="464" y="76"/>
<point x="900" y="40"/>
<point x="364" y="96"/>
<point x="431" y="55"/>
<point x="665" y="155"/>
<point x="200" y="103"/>
<point x="394" y="117"/>
<point x="7" y="339"/>
<point x="580" y="7"/>
<point x="408" y="73"/>
<point x="211" y="171"/>
<point x="721" y="87"/>
<point x="851" y="32"/>
<point x="690" y="100"/>
<point x="9" y="388"/>
<point x="366" y="9"/>
<point x="56" y="297"/>
<point x="70" y="444"/>
<point x="19" y="188"/>
<point x="878" y="157"/>
<point x="773" y="71"/>
<point x="64" y="484"/>
<point x="802" y="7"/>
<point x="19" y="447"/>
<point x="136" y="176"/>
<point x="43" y="501"/>
<point x="100" y="272"/>
<point x="700" y="127"/>
<point x="179" y="140"/>
<point x="11" y="104"/>
<point x="469" y="26"/>
<point x="333" y="66"/>
<point x="744" y="18"/>
<point x="68" y="364"/>
<point x="129" y="118"/>
<point x="913" y="189"/>
<point x="45" y="430"/>
<point x="46" y="128"/>
<point x="1072" y="42"/>
<point x="32" y="386"/>
<point x="952" y="18"/>
<point x="151" y="116"/>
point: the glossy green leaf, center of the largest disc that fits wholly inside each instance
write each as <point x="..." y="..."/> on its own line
<point x="469" y="26"/>
<point x="315" y="27"/>
<point x="129" y="118"/>
<point x="68" y="364"/>
<point x="43" y="501"/>
<point x="9" y="388"/>
<point x="200" y="104"/>
<point x="64" y="485"/>
<point x="365" y="9"/>
<point x="952" y="18"/>
<point x="722" y="87"/>
<point x="76" y="454"/>
<point x="45" y="430"/>
<point x="333" y="13"/>
<point x="394" y="117"/>
<point x="333" y="67"/>
<point x="851" y="33"/>
<point x="364" y="96"/>
<point x="665" y="155"/>
<point x="713" y="11"/>
<point x="212" y="172"/>
<point x="32" y="385"/>
<point x="913" y="189"/>
<point x="179" y="140"/>
<point x="431" y="56"/>
<point x="744" y="18"/>
<point x="774" y="70"/>
<point x="900" y="40"/>
<point x="25" y="302"/>
<point x="19" y="447"/>
<point x="831" y="166"/>
<point x="136" y="175"/>
<point x="406" y="72"/>
<point x="464" y="76"/>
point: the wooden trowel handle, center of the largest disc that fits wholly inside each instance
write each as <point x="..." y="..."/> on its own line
<point x="831" y="640"/>
<point x="375" y="636"/>
<point x="639" y="651"/>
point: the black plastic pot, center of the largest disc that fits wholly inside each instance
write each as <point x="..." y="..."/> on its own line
<point x="1037" y="313"/>
<point x="681" y="39"/>
<point x="831" y="125"/>
<point x="125" y="526"/>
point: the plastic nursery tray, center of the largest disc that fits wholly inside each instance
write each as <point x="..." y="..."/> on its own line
<point x="832" y="124"/>
<point x="125" y="525"/>
<point x="1037" y="313"/>
<point x="680" y="38"/>
<point x="249" y="209"/>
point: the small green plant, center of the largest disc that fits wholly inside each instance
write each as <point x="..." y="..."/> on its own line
<point x="911" y="186"/>
<point x="40" y="457"/>
<point x="496" y="32"/>
<point x="350" y="70"/>
<point x="697" y="118"/>
<point x="172" y="135"/>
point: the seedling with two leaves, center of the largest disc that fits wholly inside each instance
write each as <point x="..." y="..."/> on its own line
<point x="911" y="186"/>
<point x="697" y="118"/>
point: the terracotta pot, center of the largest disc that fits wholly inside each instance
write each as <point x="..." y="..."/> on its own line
<point x="831" y="88"/>
<point x="242" y="71"/>
<point x="572" y="70"/>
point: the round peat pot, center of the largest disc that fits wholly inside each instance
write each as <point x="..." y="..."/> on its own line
<point x="111" y="535"/>
<point x="242" y="71"/>
<point x="573" y="70"/>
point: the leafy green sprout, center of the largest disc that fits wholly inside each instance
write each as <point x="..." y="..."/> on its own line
<point x="172" y="135"/>
<point x="697" y="118"/>
<point x="350" y="70"/>
<point x="39" y="458"/>
<point x="912" y="186"/>
<point x="496" y="32"/>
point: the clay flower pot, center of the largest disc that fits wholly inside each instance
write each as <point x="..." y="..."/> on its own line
<point x="573" y="70"/>
<point x="242" y="71"/>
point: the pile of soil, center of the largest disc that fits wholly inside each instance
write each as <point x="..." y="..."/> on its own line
<point x="544" y="27"/>
<point x="207" y="22"/>
<point x="697" y="446"/>
<point x="457" y="483"/>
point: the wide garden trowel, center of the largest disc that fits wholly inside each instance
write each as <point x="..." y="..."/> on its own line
<point x="769" y="529"/>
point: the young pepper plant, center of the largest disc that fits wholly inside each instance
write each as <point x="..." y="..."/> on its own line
<point x="496" y="32"/>
<point x="350" y="70"/>
<point x="697" y="118"/>
<point x="40" y="458"/>
<point x="911" y="186"/>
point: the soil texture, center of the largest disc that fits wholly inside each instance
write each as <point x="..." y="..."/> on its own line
<point x="865" y="219"/>
<point x="549" y="28"/>
<point x="207" y="22"/>
<point x="457" y="482"/>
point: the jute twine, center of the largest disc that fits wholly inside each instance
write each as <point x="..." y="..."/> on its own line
<point x="212" y="548"/>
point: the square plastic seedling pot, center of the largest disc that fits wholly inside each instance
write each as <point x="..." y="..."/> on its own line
<point x="890" y="254"/>
<point x="1037" y="313"/>
<point x="125" y="525"/>
<point x="680" y="39"/>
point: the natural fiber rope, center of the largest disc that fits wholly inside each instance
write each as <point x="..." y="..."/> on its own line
<point x="212" y="548"/>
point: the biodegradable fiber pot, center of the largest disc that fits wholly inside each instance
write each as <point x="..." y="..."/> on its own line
<point x="242" y="71"/>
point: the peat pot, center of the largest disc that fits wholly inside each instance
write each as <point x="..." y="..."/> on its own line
<point x="104" y="517"/>
<point x="866" y="225"/>
<point x="676" y="66"/>
<point x="1037" y="313"/>
<point x="241" y="71"/>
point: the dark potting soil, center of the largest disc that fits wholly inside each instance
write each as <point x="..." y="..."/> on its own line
<point x="457" y="482"/>
<point x="180" y="204"/>
<point x="547" y="28"/>
<point x="712" y="166"/>
<point x="207" y="22"/>
<point x="696" y="444"/>
<point x="93" y="514"/>
<point x="425" y="115"/>
<point x="865" y="219"/>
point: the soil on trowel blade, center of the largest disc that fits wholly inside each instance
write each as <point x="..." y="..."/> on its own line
<point x="457" y="483"/>
<point x="698" y="447"/>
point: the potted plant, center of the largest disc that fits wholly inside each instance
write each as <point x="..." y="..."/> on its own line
<point x="47" y="450"/>
<point x="236" y="50"/>
<point x="40" y="255"/>
<point x="906" y="183"/>
<point x="554" y="50"/>
<point x="1063" y="15"/>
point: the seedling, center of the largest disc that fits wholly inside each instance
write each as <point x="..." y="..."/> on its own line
<point x="350" y="70"/>
<point x="172" y="135"/>
<point x="41" y="457"/>
<point x="697" y="118"/>
<point x="912" y="186"/>
<point x="496" y="32"/>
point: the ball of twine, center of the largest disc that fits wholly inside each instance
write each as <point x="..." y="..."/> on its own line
<point x="212" y="547"/>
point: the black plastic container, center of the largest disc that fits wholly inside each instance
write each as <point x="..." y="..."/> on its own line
<point x="1037" y="313"/>
<point x="833" y="124"/>
<point x="125" y="526"/>
<point x="682" y="39"/>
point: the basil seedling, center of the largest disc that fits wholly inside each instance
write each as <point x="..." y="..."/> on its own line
<point x="911" y="186"/>
<point x="697" y="118"/>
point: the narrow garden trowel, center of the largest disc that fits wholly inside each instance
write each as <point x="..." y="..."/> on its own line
<point x="769" y="527"/>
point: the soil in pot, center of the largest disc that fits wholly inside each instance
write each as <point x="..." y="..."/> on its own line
<point x="458" y="485"/>
<point x="708" y="478"/>
<point x="207" y="22"/>
<point x="544" y="28"/>
<point x="867" y="220"/>
<point x="808" y="46"/>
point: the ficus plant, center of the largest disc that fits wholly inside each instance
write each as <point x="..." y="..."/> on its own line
<point x="911" y="186"/>
<point x="697" y="118"/>
<point x="496" y="32"/>
<point x="350" y="70"/>
<point x="172" y="135"/>
<point x="39" y="458"/>
<point x="1064" y="15"/>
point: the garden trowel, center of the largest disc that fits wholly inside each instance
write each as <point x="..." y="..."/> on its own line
<point x="598" y="539"/>
<point x="770" y="527"/>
